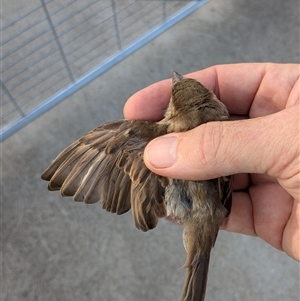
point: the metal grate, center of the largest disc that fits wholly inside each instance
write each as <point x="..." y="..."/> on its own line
<point x="50" y="48"/>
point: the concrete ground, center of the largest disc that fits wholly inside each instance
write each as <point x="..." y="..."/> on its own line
<point x="55" y="249"/>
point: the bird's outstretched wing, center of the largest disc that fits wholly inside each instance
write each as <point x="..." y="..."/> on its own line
<point x="106" y="165"/>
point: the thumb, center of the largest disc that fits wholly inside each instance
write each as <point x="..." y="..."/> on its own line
<point x="217" y="149"/>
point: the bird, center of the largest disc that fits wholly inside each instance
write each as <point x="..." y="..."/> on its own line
<point x="106" y="165"/>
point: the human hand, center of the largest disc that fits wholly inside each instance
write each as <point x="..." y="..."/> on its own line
<point x="260" y="146"/>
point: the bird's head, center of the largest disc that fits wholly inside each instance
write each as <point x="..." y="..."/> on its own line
<point x="192" y="104"/>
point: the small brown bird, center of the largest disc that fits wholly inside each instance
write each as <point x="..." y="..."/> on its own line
<point x="106" y="165"/>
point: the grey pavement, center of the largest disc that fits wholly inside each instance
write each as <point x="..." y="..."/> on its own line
<point x="55" y="249"/>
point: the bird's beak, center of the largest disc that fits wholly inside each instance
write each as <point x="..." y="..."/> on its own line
<point x="176" y="77"/>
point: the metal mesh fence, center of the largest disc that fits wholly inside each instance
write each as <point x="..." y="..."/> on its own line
<point x="52" y="48"/>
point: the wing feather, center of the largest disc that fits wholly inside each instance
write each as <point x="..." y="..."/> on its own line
<point x="106" y="165"/>
<point x="80" y="171"/>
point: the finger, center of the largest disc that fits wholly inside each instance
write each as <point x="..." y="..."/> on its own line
<point x="240" y="219"/>
<point x="149" y="103"/>
<point x="216" y="149"/>
<point x="272" y="207"/>
<point x="253" y="88"/>
<point x="262" y="178"/>
<point x="246" y="89"/>
<point x="268" y="212"/>
<point x="241" y="181"/>
<point x="291" y="234"/>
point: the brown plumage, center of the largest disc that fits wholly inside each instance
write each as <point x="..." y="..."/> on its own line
<point x="106" y="165"/>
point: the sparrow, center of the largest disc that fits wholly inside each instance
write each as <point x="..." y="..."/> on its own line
<point x="106" y="165"/>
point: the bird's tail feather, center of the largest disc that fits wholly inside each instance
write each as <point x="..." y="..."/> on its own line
<point x="196" y="278"/>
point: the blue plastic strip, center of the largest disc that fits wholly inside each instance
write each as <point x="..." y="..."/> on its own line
<point x="108" y="63"/>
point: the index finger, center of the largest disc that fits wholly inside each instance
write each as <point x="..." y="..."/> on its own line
<point x="150" y="103"/>
<point x="238" y="86"/>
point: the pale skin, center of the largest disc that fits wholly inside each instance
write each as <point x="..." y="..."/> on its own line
<point x="260" y="146"/>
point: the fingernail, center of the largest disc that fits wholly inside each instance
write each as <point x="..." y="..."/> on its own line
<point x="161" y="152"/>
